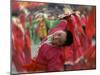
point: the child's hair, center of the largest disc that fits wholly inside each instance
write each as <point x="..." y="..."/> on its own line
<point x="69" y="39"/>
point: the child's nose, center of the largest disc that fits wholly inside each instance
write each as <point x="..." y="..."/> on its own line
<point x="56" y="37"/>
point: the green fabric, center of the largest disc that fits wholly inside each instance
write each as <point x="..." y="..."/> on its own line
<point x="51" y="23"/>
<point x="33" y="35"/>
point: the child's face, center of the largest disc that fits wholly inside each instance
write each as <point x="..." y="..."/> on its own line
<point x="59" y="38"/>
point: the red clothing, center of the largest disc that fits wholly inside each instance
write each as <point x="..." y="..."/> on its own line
<point x="18" y="37"/>
<point x="71" y="55"/>
<point x="72" y="23"/>
<point x="83" y="20"/>
<point x="90" y="26"/>
<point x="52" y="57"/>
<point x="27" y="47"/>
<point x="22" y="18"/>
<point x="90" y="55"/>
<point x="21" y="47"/>
<point x="17" y="48"/>
<point x="75" y="51"/>
<point x="61" y="26"/>
<point x="34" y="67"/>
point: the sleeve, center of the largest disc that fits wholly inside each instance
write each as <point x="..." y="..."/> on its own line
<point x="55" y="64"/>
<point x="41" y="55"/>
<point x="61" y="25"/>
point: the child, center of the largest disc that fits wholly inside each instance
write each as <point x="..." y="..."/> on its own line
<point x="51" y="54"/>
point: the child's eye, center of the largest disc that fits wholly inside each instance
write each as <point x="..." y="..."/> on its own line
<point x="59" y="34"/>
